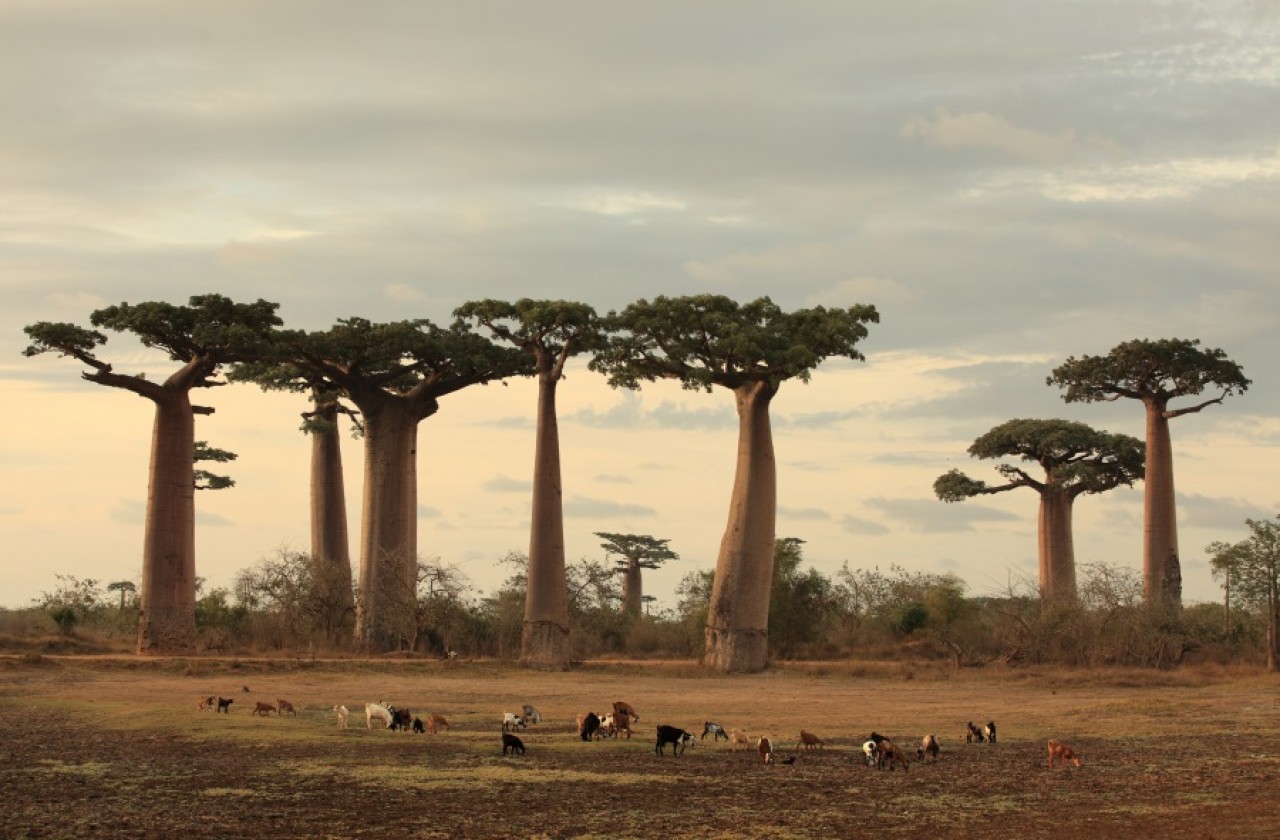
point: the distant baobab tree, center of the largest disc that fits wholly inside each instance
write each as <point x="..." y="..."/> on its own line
<point x="550" y="332"/>
<point x="1074" y="458"/>
<point x="1154" y="373"/>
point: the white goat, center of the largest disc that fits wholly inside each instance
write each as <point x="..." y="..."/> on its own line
<point x="511" y="720"/>
<point x="374" y="711"/>
<point x="871" y="753"/>
<point x="342" y="714"/>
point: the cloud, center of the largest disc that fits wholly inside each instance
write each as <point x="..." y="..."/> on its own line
<point x="505" y="484"/>
<point x="802" y="513"/>
<point x="606" y="478"/>
<point x="403" y="293"/>
<point x="622" y="203"/>
<point x="1220" y="512"/>
<point x="930" y="516"/>
<point x="856" y="525"/>
<point x="982" y="130"/>
<point x="630" y="413"/>
<point x="582" y="507"/>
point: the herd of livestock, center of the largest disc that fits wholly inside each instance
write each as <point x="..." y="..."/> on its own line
<point x="877" y="751"/>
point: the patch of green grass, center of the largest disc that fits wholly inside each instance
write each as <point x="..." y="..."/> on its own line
<point x="224" y="791"/>
<point x="86" y="768"/>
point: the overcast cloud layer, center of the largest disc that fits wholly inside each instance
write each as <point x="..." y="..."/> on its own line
<point x="1009" y="184"/>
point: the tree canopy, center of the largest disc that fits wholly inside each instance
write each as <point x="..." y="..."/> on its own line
<point x="705" y="340"/>
<point x="1075" y="457"/>
<point x="1150" y="370"/>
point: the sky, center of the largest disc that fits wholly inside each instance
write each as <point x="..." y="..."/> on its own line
<point x="1009" y="184"/>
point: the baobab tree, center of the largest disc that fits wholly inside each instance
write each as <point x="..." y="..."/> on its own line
<point x="550" y="332"/>
<point x="395" y="374"/>
<point x="210" y="332"/>
<point x="1075" y="458"/>
<point x="330" y="555"/>
<point x="632" y="553"/>
<point x="1154" y="373"/>
<point x="707" y="341"/>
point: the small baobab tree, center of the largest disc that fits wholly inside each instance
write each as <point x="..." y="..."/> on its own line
<point x="707" y="341"/>
<point x="1154" y="373"/>
<point x="549" y="332"/>
<point x="1075" y="460"/>
<point x="631" y="554"/>
<point x="202" y="337"/>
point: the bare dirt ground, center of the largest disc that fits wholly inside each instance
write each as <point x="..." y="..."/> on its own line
<point x="116" y="748"/>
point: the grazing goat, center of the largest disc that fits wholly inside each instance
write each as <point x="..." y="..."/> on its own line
<point x="264" y="709"/>
<point x="531" y="714"/>
<point x="374" y="711"/>
<point x="738" y="739"/>
<point x="809" y="740"/>
<point x="974" y="734"/>
<point x="871" y="753"/>
<point x="401" y="719"/>
<point x="621" y="724"/>
<point x="511" y="720"/>
<point x="224" y="706"/>
<point x="286" y="706"/>
<point x="418" y="726"/>
<point x="512" y="743"/>
<point x="342" y="714"/>
<point x="608" y="726"/>
<point x="1063" y="753"/>
<point x="626" y="709"/>
<point x="435" y="723"/>
<point x="990" y="731"/>
<point x="715" y="730"/>
<point x="676" y="737"/>
<point x="928" y="748"/>
<point x="588" y="725"/>
<point x="888" y="752"/>
<point x="208" y="704"/>
<point x="765" y="747"/>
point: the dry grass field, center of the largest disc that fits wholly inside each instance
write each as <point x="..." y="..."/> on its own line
<point x="116" y="748"/>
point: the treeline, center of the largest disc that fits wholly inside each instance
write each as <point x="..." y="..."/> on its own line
<point x="276" y="607"/>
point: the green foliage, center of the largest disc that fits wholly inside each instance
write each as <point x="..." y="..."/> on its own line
<point x="1144" y="369"/>
<point x="636" y="550"/>
<point x="1074" y="457"/>
<point x="801" y="604"/>
<point x="549" y="330"/>
<point x="73" y="602"/>
<point x="206" y="480"/>
<point x="706" y="340"/>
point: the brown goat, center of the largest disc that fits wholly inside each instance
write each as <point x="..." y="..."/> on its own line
<point x="765" y="747"/>
<point x="738" y="739"/>
<point x="620" y="707"/>
<point x="809" y="740"/>
<point x="1062" y="752"/>
<point x="286" y="706"/>
<point x="264" y="709"/>
<point x="891" y="753"/>
<point x="435" y="723"/>
<point x="928" y="748"/>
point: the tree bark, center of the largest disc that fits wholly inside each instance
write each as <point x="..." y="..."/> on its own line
<point x="167" y="617"/>
<point x="1057" y="545"/>
<point x="632" y="589"/>
<point x="737" y="635"/>
<point x="1161" y="570"/>
<point x="544" y="641"/>
<point x="389" y="538"/>
<point x="330" y="545"/>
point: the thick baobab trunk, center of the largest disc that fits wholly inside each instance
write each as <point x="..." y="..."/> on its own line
<point x="389" y="539"/>
<point x="632" y="589"/>
<point x="330" y="546"/>
<point x="1161" y="569"/>
<point x="544" y="639"/>
<point x="737" y="635"/>
<point x="1057" y="546"/>
<point x="167" y="617"/>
